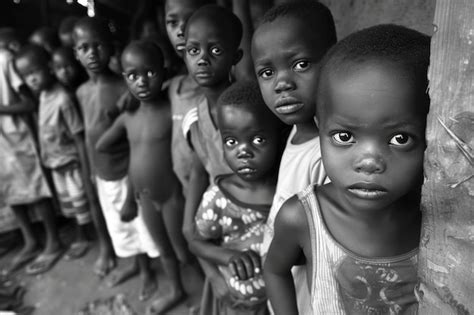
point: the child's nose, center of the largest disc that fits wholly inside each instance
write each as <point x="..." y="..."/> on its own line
<point x="244" y="152"/>
<point x="181" y="28"/>
<point x="370" y="164"/>
<point x="284" y="83"/>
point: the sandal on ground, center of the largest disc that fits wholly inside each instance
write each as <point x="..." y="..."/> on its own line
<point x="43" y="263"/>
<point x="77" y="250"/>
<point x="19" y="261"/>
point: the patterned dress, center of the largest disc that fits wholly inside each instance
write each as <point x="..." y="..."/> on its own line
<point x="236" y="226"/>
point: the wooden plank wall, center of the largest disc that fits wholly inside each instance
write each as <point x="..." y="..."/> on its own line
<point x="447" y="245"/>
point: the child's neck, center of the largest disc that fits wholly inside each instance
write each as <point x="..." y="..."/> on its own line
<point x="305" y="132"/>
<point x="97" y="76"/>
<point x="213" y="93"/>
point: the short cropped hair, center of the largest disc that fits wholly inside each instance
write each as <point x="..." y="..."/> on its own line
<point x="96" y="25"/>
<point x="246" y="95"/>
<point x="34" y="52"/>
<point x="312" y="14"/>
<point x="407" y="48"/>
<point x="223" y="18"/>
<point x="148" y="46"/>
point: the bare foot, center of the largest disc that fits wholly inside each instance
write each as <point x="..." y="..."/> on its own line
<point x="165" y="302"/>
<point x="148" y="287"/>
<point x="123" y="275"/>
<point x="104" y="264"/>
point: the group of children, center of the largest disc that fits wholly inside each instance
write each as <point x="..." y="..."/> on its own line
<point x="293" y="190"/>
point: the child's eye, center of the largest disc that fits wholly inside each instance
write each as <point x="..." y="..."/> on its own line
<point x="131" y="76"/>
<point x="230" y="142"/>
<point x="172" y="22"/>
<point x="265" y="73"/>
<point x="258" y="140"/>
<point x="193" y="51"/>
<point x="401" y="139"/>
<point x="216" y="51"/>
<point x="301" y="65"/>
<point x="151" y="74"/>
<point x="343" y="137"/>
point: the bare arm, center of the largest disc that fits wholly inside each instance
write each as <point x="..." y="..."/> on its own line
<point x="198" y="183"/>
<point x="244" y="69"/>
<point x="112" y="136"/>
<point x="24" y="105"/>
<point x="85" y="167"/>
<point x="285" y="251"/>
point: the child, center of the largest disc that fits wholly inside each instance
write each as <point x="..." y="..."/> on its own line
<point x="23" y="183"/>
<point x="183" y="91"/>
<point x="148" y="130"/>
<point x="358" y="235"/>
<point x="287" y="70"/>
<point x="234" y="209"/>
<point x="61" y="142"/>
<point x="97" y="98"/>
<point x="212" y="47"/>
<point x="67" y="69"/>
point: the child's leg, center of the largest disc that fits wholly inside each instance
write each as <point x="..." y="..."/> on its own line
<point x="53" y="249"/>
<point x="156" y="227"/>
<point x="147" y="276"/>
<point x="31" y="247"/>
<point x="125" y="274"/>
<point x="46" y="211"/>
<point x="74" y="204"/>
<point x="106" y="260"/>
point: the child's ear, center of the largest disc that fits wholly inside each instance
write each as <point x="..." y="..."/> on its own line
<point x="316" y="121"/>
<point x="238" y="56"/>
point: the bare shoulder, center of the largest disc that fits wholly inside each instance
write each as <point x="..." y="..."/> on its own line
<point x="291" y="217"/>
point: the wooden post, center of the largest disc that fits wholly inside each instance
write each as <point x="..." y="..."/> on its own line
<point x="447" y="245"/>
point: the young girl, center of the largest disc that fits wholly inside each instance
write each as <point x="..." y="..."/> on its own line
<point x="148" y="129"/>
<point x="231" y="216"/>
<point x="67" y="69"/>
<point x="358" y="235"/>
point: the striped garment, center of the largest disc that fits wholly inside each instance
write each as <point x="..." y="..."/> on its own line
<point x="345" y="283"/>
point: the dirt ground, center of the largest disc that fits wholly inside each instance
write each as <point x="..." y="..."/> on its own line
<point x="70" y="286"/>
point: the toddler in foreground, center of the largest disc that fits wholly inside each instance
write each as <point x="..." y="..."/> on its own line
<point x="358" y="236"/>
<point x="233" y="211"/>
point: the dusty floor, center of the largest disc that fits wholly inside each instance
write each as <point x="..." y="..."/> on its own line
<point x="71" y="285"/>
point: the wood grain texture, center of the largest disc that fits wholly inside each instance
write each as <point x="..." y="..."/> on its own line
<point x="446" y="266"/>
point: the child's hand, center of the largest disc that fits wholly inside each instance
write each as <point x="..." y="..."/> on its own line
<point x="219" y="287"/>
<point x="129" y="211"/>
<point x="245" y="265"/>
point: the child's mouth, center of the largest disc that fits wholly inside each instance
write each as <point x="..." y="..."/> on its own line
<point x="367" y="191"/>
<point x="289" y="108"/>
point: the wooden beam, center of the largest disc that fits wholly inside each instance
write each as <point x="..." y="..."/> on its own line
<point x="446" y="265"/>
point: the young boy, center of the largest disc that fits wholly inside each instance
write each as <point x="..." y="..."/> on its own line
<point x="359" y="235"/>
<point x="212" y="47"/>
<point x="148" y="129"/>
<point x="98" y="97"/>
<point x="61" y="142"/>
<point x="22" y="181"/>
<point x="287" y="70"/>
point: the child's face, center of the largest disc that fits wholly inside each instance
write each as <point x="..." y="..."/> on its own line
<point x="250" y="146"/>
<point x="177" y="13"/>
<point x="143" y="74"/>
<point x="372" y="135"/>
<point x="36" y="74"/>
<point x="65" y="69"/>
<point x="286" y="64"/>
<point x="91" y="50"/>
<point x="209" y="53"/>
